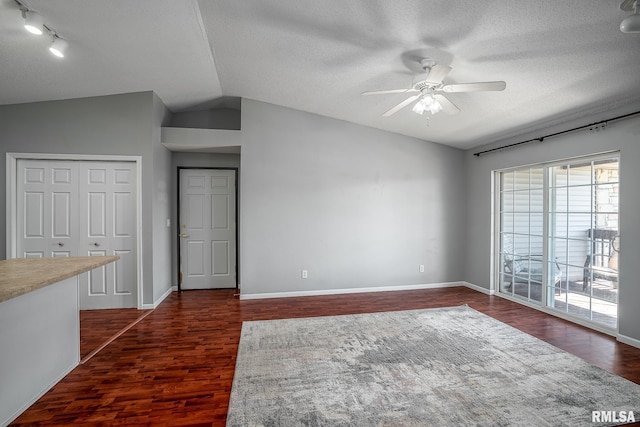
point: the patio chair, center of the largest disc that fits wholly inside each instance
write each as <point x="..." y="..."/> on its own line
<point x="527" y="268"/>
<point x="602" y="259"/>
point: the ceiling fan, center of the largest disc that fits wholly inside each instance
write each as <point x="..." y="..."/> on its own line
<point x="430" y="90"/>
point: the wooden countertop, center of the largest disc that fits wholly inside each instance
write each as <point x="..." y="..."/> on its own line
<point x="19" y="276"/>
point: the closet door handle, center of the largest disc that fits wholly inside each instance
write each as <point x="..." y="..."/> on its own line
<point x="96" y="244"/>
<point x="60" y="244"/>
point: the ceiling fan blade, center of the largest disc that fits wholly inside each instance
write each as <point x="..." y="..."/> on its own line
<point x="384" y="92"/>
<point x="437" y="73"/>
<point x="448" y="107"/>
<point x="474" y="87"/>
<point x="401" y="105"/>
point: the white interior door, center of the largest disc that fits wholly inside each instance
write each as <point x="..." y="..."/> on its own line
<point x="207" y="228"/>
<point x="47" y="210"/>
<point x="82" y="208"/>
<point x="107" y="227"/>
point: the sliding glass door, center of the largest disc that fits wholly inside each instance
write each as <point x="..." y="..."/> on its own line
<point x="522" y="233"/>
<point x="559" y="238"/>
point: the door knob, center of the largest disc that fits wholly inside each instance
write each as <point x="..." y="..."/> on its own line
<point x="184" y="235"/>
<point x="96" y="244"/>
<point x="60" y="244"/>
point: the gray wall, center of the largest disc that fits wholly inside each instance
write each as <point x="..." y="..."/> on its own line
<point x="623" y="136"/>
<point x="194" y="160"/>
<point x="355" y="206"/>
<point x="109" y="125"/>
<point x="216" y="118"/>
<point x="162" y="279"/>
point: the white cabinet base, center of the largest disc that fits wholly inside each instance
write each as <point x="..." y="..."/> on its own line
<point x="39" y="344"/>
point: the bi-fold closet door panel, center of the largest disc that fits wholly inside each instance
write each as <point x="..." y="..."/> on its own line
<point x="82" y="208"/>
<point x="47" y="211"/>
<point x="107" y="227"/>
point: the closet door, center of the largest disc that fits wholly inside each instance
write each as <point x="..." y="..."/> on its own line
<point x="47" y="211"/>
<point x="107" y="227"/>
<point x="82" y="208"/>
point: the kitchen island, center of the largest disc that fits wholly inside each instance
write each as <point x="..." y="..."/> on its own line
<point x="39" y="326"/>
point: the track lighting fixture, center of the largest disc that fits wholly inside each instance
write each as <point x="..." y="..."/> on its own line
<point x="33" y="22"/>
<point x="58" y="46"/>
<point x="631" y="24"/>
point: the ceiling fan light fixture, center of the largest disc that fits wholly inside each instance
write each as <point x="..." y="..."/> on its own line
<point x="429" y="90"/>
<point x="427" y="103"/>
<point x="33" y="23"/>
<point x="58" y="47"/>
<point x="631" y="24"/>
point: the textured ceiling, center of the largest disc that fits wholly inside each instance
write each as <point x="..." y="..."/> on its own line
<point x="561" y="60"/>
<point x="114" y="47"/>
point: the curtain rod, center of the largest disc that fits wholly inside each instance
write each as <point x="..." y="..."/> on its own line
<point x="542" y="138"/>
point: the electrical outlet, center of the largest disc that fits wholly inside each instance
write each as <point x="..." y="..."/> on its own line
<point x="421" y="268"/>
<point x="305" y="274"/>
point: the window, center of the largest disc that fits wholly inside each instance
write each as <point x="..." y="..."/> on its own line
<point x="558" y="240"/>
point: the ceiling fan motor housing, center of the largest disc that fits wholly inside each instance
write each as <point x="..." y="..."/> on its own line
<point x="420" y="80"/>
<point x="420" y="83"/>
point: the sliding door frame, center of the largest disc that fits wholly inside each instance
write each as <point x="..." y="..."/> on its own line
<point x="496" y="240"/>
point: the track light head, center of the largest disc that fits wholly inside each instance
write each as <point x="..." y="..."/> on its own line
<point x="33" y="23"/>
<point x="58" y="47"/>
<point x="631" y="24"/>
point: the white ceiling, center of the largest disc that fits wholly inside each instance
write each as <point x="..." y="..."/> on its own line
<point x="561" y="59"/>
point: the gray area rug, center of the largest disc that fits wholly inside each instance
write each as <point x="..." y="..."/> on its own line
<point x="436" y="367"/>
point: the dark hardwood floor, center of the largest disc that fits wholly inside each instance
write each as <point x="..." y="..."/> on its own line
<point x="97" y="327"/>
<point x="175" y="367"/>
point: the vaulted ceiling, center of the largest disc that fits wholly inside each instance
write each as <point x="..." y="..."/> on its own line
<point x="561" y="60"/>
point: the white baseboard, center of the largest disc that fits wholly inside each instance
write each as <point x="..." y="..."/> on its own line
<point x="479" y="288"/>
<point x="350" y="290"/>
<point x="157" y="302"/>
<point x="628" y="340"/>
